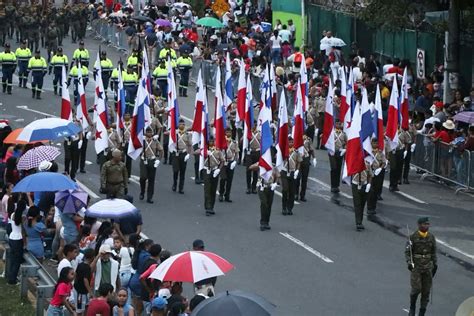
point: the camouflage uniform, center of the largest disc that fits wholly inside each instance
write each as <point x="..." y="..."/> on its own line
<point x="114" y="179"/>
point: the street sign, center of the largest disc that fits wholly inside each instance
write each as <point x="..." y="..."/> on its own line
<point x="420" y="63"/>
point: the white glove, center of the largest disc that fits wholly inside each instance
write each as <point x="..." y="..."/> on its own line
<point x="216" y="173"/>
<point x="316" y="131"/>
<point x="295" y="176"/>
<point x="314" y="162"/>
<point x="79" y="144"/>
<point x="273" y="186"/>
<point x="413" y="146"/>
<point x="377" y="171"/>
<point x="89" y="135"/>
<point x="405" y="154"/>
<point x="186" y="158"/>
<point x="342" y="152"/>
<point x="155" y="137"/>
<point x="157" y="163"/>
<point x="367" y="188"/>
<point x="233" y="164"/>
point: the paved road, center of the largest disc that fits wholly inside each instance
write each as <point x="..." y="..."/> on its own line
<point x="313" y="263"/>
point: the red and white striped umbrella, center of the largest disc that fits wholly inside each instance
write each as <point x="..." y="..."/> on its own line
<point x="33" y="157"/>
<point x="191" y="266"/>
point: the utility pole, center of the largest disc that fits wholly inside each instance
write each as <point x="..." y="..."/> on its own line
<point x="452" y="59"/>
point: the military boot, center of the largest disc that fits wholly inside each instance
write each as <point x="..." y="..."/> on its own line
<point x="38" y="95"/>
<point x="55" y="90"/>
<point x="413" y="299"/>
<point x="33" y="93"/>
<point x="422" y="312"/>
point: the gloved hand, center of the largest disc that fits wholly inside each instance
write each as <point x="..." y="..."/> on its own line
<point x="157" y="163"/>
<point x="435" y="268"/>
<point x="314" y="162"/>
<point x="342" y="152"/>
<point x="273" y="186"/>
<point x="186" y="158"/>
<point x="405" y="154"/>
<point x="377" y="171"/>
<point x="155" y="137"/>
<point x="410" y="267"/>
<point x="79" y="144"/>
<point x="233" y="164"/>
<point x="367" y="188"/>
<point x="316" y="131"/>
<point x="102" y="190"/>
<point x="413" y="146"/>
<point x="89" y="135"/>
<point x="295" y="176"/>
<point x="216" y="173"/>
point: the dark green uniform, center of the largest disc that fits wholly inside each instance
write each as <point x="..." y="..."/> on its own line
<point x="359" y="193"/>
<point x="213" y="162"/>
<point x="423" y="250"/>
<point x="266" y="191"/>
<point x="378" y="169"/>
<point x="289" y="177"/>
<point x="114" y="178"/>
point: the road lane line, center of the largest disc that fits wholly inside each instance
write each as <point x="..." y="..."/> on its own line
<point x="327" y="186"/>
<point x="307" y="247"/>
<point x="281" y="195"/>
<point x="405" y="310"/>
<point x="87" y="190"/>
<point x="408" y="196"/>
<point x="186" y="118"/>
<point x="26" y="108"/>
<point x="442" y="242"/>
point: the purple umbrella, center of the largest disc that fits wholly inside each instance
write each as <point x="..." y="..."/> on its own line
<point x="465" y="116"/>
<point x="163" y="22"/>
<point x="33" y="157"/>
<point x="70" y="201"/>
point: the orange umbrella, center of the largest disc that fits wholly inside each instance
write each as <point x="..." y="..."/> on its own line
<point x="12" y="138"/>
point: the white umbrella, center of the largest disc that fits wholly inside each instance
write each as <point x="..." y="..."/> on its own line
<point x="324" y="43"/>
<point x="336" y="42"/>
<point x="111" y="208"/>
<point x="48" y="129"/>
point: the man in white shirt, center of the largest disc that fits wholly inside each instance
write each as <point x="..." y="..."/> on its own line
<point x="276" y="42"/>
<point x="70" y="252"/>
<point x="285" y="34"/>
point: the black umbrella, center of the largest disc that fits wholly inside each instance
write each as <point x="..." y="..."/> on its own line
<point x="143" y="19"/>
<point x="235" y="303"/>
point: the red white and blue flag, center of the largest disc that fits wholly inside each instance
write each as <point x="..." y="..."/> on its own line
<point x="273" y="87"/>
<point x="282" y="148"/>
<point x="265" y="95"/>
<point x="198" y="106"/>
<point x="404" y="101"/>
<point x="120" y="105"/>
<point x="145" y="75"/>
<point x="378" y="120"/>
<point x="328" y="128"/>
<point x="248" y="117"/>
<point x="135" y="145"/>
<point x="367" y="128"/>
<point x="304" y="85"/>
<point x="354" y="160"/>
<point x="81" y="112"/>
<point x="264" y="121"/>
<point x="66" y="109"/>
<point x="173" y="110"/>
<point x="391" y="131"/>
<point x="298" y="125"/>
<point x="228" y="87"/>
<point x="344" y="110"/>
<point x="204" y="134"/>
<point x="241" y="94"/>
<point x="100" y="112"/>
<point x="350" y="99"/>
<point x="219" y="115"/>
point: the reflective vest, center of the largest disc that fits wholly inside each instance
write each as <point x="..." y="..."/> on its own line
<point x="184" y="63"/>
<point x="23" y="54"/>
<point x="106" y="65"/>
<point x="130" y="80"/>
<point x="75" y="72"/>
<point x="37" y="65"/>
<point x="160" y="73"/>
<point x="59" y="61"/>
<point x="115" y="73"/>
<point x="81" y="55"/>
<point x="132" y="61"/>
<point x="164" y="53"/>
<point x="8" y="59"/>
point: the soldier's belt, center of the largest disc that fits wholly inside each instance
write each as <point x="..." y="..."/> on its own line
<point x="428" y="256"/>
<point x="114" y="183"/>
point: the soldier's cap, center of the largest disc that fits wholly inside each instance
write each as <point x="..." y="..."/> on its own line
<point x="149" y="129"/>
<point x="24" y="41"/>
<point x="289" y="137"/>
<point x="60" y="49"/>
<point x="81" y="42"/>
<point x="37" y="51"/>
<point x="7" y="45"/>
<point x="168" y="40"/>
<point x="424" y="220"/>
<point x="117" y="153"/>
<point x="228" y="129"/>
<point x="103" y="52"/>
<point x="198" y="244"/>
<point x="181" y="121"/>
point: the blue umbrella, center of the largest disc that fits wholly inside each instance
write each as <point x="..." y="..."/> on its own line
<point x="48" y="128"/>
<point x="70" y="201"/>
<point x="45" y="182"/>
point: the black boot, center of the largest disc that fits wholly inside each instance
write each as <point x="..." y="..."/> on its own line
<point x="422" y="312"/>
<point x="413" y="299"/>
<point x="55" y="90"/>
<point x="33" y="93"/>
<point x="38" y="95"/>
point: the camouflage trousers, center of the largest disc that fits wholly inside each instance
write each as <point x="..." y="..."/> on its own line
<point x="421" y="282"/>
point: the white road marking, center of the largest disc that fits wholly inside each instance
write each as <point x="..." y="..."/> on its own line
<point x="327" y="186"/>
<point x="26" y="108"/>
<point x="281" y="195"/>
<point x="408" y="196"/>
<point x="135" y="179"/>
<point x="87" y="190"/>
<point x="194" y="178"/>
<point x="307" y="247"/>
<point x="88" y="162"/>
<point x="186" y="118"/>
<point x="405" y="310"/>
<point x="442" y="242"/>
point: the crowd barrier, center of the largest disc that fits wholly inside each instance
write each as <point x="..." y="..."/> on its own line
<point x="444" y="162"/>
<point x="110" y="34"/>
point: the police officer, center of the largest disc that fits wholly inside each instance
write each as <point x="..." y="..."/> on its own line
<point x="8" y="62"/>
<point x="107" y="67"/>
<point x="149" y="161"/>
<point x="160" y="74"/>
<point x="38" y="67"/>
<point x="56" y="65"/>
<point x="378" y="170"/>
<point x="360" y="184"/>
<point x="266" y="191"/>
<point x="74" y="76"/>
<point x="181" y="156"/>
<point x="133" y="60"/>
<point x="231" y="157"/>
<point x="396" y="161"/>
<point x="335" y="160"/>
<point x="23" y="55"/>
<point x="420" y="255"/>
<point x="114" y="176"/>
<point x="184" y="63"/>
<point x="289" y="176"/>
<point x="308" y="158"/>
<point x="130" y="84"/>
<point x="81" y="55"/>
<point x="212" y="167"/>
<point x="168" y="52"/>
<point x="252" y="156"/>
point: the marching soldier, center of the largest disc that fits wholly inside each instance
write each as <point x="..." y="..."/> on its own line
<point x="114" y="176"/>
<point x="409" y="138"/>
<point x="107" y="67"/>
<point x="8" y="62"/>
<point x="81" y="55"/>
<point x="57" y="62"/>
<point x="420" y="255"/>
<point x="130" y="84"/>
<point x="52" y="34"/>
<point x="126" y="130"/>
<point x="212" y="165"/>
<point x="160" y="74"/>
<point x="378" y="169"/>
<point x="148" y="163"/>
<point x="38" y="67"/>
<point x="360" y="187"/>
<point x="181" y="156"/>
<point x="265" y="193"/>
<point x="252" y="156"/>
<point x="23" y="55"/>
<point x="184" y="63"/>
<point x="72" y="146"/>
<point x="231" y="157"/>
<point x="308" y="158"/>
<point x="289" y="176"/>
<point x="335" y="161"/>
<point x="396" y="160"/>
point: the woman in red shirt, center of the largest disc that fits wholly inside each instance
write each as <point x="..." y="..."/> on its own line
<point x="62" y="292"/>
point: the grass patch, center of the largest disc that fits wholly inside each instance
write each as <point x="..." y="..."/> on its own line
<point x="11" y="304"/>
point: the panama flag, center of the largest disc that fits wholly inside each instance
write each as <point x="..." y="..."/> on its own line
<point x="198" y="106"/>
<point x="135" y="145"/>
<point x="404" y="100"/>
<point x="350" y="99"/>
<point x="391" y="130"/>
<point x="298" y="126"/>
<point x="282" y="135"/>
<point x="265" y="161"/>
<point x="229" y="89"/>
<point x="241" y="94"/>
<point x="120" y="106"/>
<point x="344" y="110"/>
<point x="354" y="160"/>
<point x="81" y="112"/>
<point x="66" y="109"/>
<point x="304" y="85"/>
<point x="328" y="127"/>
<point x="367" y="129"/>
<point x="101" y="136"/>
<point x="173" y="110"/>
<point x="146" y="76"/>
<point x="378" y="120"/>
<point x="265" y="96"/>
<point x="203" y="135"/>
<point x="248" y="118"/>
<point x="273" y="87"/>
<point x="219" y="115"/>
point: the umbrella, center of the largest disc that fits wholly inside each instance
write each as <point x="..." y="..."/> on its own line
<point x="336" y="42"/>
<point x="191" y="266"/>
<point x="142" y="19"/>
<point x="33" y="157"/>
<point x="49" y="128"/>
<point x="210" y="22"/>
<point x="163" y="22"/>
<point x="465" y="116"/>
<point x="45" y="182"/>
<point x="180" y="5"/>
<point x="324" y="43"/>
<point x="70" y="201"/>
<point x="111" y="208"/>
<point x="12" y="138"/>
<point x="235" y="303"/>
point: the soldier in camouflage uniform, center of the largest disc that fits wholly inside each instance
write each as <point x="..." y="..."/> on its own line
<point x="10" y="16"/>
<point x="420" y="255"/>
<point x="114" y="176"/>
